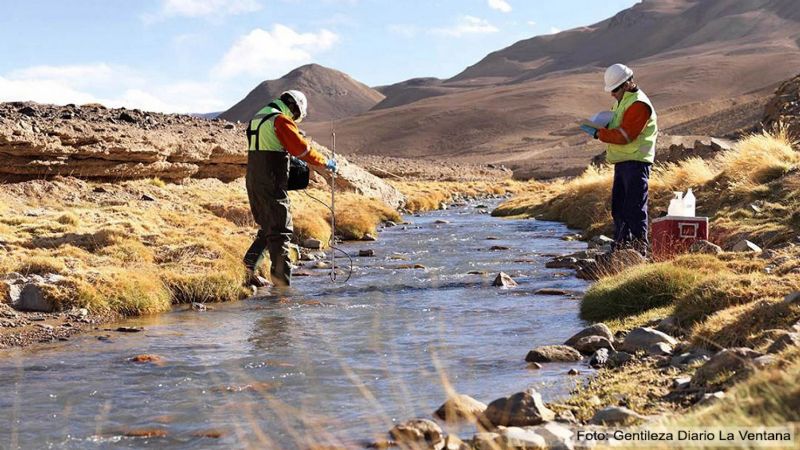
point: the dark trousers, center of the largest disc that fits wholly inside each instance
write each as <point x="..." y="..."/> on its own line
<point x="629" y="205"/>
<point x="267" y="178"/>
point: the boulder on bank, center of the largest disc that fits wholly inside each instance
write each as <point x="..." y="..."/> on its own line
<point x="644" y="338"/>
<point x="553" y="353"/>
<point x="599" y="358"/>
<point x="590" y="344"/>
<point x="784" y="342"/>
<point x="616" y="416"/>
<point x="418" y="432"/>
<point x="513" y="438"/>
<point x="598" y="329"/>
<point x="518" y="410"/>
<point x="705" y="247"/>
<point x="730" y="361"/>
<point x="33" y="293"/>
<point x="745" y="246"/>
<point x="460" y="408"/>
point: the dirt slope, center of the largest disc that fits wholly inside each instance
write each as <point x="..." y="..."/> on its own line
<point x="331" y="94"/>
<point x="696" y="60"/>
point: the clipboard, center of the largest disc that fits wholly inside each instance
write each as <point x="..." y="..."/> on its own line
<point x="589" y="123"/>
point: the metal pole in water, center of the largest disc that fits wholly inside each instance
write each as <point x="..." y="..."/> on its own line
<point x="333" y="208"/>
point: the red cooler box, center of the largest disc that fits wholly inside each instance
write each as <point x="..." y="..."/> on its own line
<point x="673" y="234"/>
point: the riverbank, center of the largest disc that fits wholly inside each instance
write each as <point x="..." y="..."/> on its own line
<point x="137" y="247"/>
<point x="732" y="309"/>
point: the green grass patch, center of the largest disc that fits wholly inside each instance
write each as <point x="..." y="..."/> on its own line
<point x="637" y="290"/>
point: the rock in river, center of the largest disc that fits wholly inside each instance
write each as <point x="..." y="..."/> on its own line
<point x="504" y="280"/>
<point x="553" y="353"/>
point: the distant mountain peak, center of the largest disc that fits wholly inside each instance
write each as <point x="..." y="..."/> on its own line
<point x="332" y="94"/>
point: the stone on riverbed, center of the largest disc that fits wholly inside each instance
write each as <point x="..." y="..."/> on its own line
<point x="147" y="359"/>
<point x="553" y="353"/>
<point x="418" y="432"/>
<point x="521" y="409"/>
<point x="566" y="262"/>
<point x="460" y="408"/>
<point x="551" y="291"/>
<point x="311" y="243"/>
<point x="504" y="280"/>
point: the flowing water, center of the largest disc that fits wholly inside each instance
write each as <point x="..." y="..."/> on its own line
<point x="326" y="363"/>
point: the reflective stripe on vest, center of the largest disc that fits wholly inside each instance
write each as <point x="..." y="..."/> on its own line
<point x="261" y="130"/>
<point x="643" y="148"/>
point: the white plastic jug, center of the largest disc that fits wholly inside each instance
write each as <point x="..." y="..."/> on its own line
<point x="676" y="205"/>
<point x="689" y="204"/>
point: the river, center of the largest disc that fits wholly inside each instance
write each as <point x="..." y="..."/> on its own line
<point x="325" y="364"/>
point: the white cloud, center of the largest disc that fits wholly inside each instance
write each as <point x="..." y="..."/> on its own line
<point x="531" y="23"/>
<point x="42" y="91"/>
<point x="204" y="8"/>
<point x="467" y="25"/>
<point x="500" y="5"/>
<point x="554" y="30"/>
<point x="268" y="54"/>
<point x="404" y="30"/>
<point x="114" y="86"/>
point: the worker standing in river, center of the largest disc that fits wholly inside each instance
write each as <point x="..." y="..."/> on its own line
<point x="631" y="138"/>
<point x="272" y="137"/>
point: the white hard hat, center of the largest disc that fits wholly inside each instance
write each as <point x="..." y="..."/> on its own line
<point x="302" y="103"/>
<point x="616" y="75"/>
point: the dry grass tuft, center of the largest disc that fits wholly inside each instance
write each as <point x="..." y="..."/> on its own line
<point x="645" y="287"/>
<point x="39" y="265"/>
<point x="69" y="218"/>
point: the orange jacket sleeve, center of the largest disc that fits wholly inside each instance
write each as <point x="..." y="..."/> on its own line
<point x="295" y="143"/>
<point x="633" y="122"/>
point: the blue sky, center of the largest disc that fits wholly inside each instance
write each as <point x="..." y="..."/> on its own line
<point x="204" y="55"/>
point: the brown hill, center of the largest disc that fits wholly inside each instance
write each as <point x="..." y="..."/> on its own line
<point x="331" y="94"/>
<point x="696" y="60"/>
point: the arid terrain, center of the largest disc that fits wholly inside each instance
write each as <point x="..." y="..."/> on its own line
<point x="708" y="66"/>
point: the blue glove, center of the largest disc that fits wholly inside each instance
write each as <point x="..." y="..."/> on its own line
<point x="589" y="130"/>
<point x="331" y="165"/>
